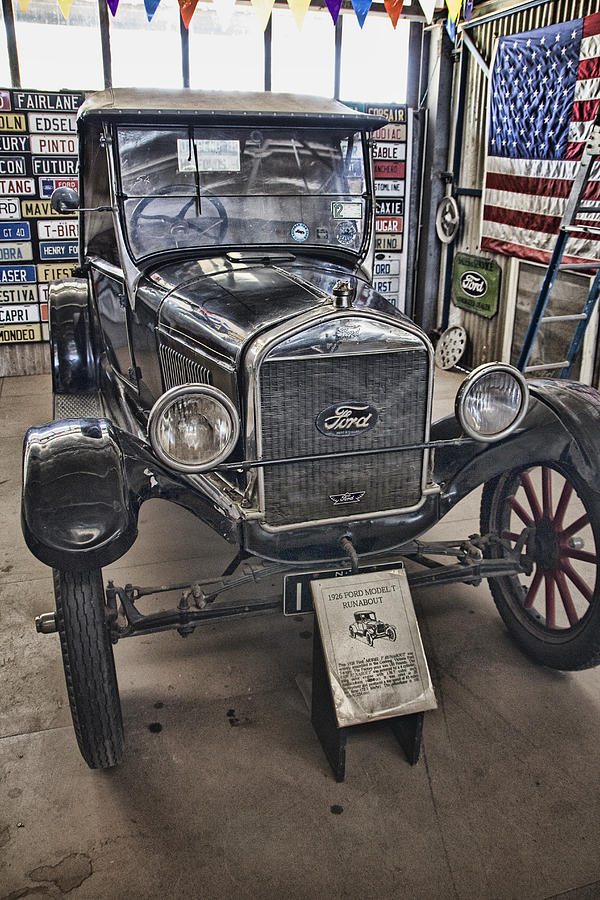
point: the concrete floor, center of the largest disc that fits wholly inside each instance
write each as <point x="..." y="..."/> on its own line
<point x="503" y="804"/>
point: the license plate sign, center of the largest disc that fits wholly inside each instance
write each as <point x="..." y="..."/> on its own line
<point x="297" y="594"/>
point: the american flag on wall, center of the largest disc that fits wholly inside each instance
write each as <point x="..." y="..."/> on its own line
<point x="544" y="97"/>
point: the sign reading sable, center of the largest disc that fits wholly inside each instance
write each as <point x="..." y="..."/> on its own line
<point x="375" y="659"/>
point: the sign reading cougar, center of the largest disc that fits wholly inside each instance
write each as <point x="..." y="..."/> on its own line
<point x="347" y="418"/>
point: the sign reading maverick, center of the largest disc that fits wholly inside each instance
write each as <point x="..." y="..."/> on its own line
<point x="38" y="153"/>
<point x="476" y="284"/>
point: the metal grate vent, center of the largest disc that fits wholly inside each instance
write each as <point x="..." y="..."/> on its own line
<point x="294" y="393"/>
<point x="179" y="369"/>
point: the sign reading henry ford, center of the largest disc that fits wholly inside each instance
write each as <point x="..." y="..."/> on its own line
<point x="476" y="284"/>
<point x="375" y="659"/>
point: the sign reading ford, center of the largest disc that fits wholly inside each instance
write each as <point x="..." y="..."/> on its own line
<point x="476" y="284"/>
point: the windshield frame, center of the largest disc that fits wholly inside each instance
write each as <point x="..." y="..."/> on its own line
<point x="329" y="251"/>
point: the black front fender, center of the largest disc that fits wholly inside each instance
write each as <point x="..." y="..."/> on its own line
<point x="76" y="510"/>
<point x="561" y="425"/>
<point x="84" y="481"/>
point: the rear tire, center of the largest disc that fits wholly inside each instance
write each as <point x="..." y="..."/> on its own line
<point x="89" y="666"/>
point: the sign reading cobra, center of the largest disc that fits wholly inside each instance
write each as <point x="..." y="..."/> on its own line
<point x="347" y="418"/>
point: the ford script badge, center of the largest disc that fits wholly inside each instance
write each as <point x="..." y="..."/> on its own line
<point x="347" y="419"/>
<point x="473" y="284"/>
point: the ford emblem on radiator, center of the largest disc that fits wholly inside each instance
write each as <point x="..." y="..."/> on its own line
<point x="348" y="497"/>
<point x="347" y="418"/>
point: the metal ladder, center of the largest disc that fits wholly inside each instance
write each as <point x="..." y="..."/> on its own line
<point x="590" y="154"/>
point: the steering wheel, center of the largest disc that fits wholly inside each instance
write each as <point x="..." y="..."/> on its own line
<point x="179" y="225"/>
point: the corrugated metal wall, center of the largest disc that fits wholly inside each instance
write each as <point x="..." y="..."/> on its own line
<point x="486" y="334"/>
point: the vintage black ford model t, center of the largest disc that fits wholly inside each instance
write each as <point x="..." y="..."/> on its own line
<point x="221" y="347"/>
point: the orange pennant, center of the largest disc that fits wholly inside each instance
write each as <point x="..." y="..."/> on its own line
<point x="187" y="9"/>
<point x="394" y="8"/>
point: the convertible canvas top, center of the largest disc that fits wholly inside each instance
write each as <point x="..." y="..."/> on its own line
<point x="223" y="106"/>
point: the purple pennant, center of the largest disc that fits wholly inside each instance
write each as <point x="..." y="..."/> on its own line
<point x="468" y="10"/>
<point x="361" y="8"/>
<point x="150" y="6"/>
<point x="334" y="7"/>
<point x="112" y="5"/>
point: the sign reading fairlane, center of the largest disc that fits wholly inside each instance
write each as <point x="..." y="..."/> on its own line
<point x="347" y="419"/>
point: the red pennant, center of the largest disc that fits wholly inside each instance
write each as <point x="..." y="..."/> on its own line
<point x="187" y="9"/>
<point x="394" y="8"/>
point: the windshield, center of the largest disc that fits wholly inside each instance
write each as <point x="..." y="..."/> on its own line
<point x="201" y="187"/>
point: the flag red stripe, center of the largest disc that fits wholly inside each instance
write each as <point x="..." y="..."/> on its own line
<point x="588" y="68"/>
<point x="591" y="25"/>
<point x="558" y="188"/>
<point x="507" y="248"/>
<point x="518" y="218"/>
<point x="575" y="150"/>
<point x="585" y="110"/>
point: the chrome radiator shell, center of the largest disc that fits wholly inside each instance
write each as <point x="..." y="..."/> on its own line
<point x="295" y="372"/>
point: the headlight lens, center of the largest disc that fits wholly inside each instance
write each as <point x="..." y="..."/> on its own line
<point x="492" y="401"/>
<point x="194" y="427"/>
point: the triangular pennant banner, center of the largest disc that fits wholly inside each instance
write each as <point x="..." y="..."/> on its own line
<point x="428" y="7"/>
<point x="224" y="10"/>
<point x="361" y="8"/>
<point x="334" y="7"/>
<point x="24" y="4"/>
<point x="299" y="9"/>
<point x="454" y="7"/>
<point x="187" y="9"/>
<point x="112" y="5"/>
<point x="149" y="5"/>
<point x="451" y="29"/>
<point x="468" y="10"/>
<point x="263" y="8"/>
<point x="394" y="8"/>
<point x="65" y="6"/>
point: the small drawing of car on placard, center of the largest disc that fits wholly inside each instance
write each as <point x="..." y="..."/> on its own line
<point x="368" y="626"/>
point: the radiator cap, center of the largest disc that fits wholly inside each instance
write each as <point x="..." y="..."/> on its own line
<point x="342" y="294"/>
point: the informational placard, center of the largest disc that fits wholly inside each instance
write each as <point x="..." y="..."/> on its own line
<point x="476" y="284"/>
<point x="372" y="645"/>
<point x="38" y="153"/>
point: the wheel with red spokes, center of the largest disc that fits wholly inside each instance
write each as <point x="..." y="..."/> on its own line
<point x="554" y="613"/>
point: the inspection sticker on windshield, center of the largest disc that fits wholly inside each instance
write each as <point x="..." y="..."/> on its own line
<point x="212" y="156"/>
<point x="345" y="209"/>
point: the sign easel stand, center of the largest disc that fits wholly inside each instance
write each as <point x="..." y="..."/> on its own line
<point x="408" y="730"/>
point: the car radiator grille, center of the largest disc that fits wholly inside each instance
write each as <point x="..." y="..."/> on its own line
<point x="294" y="392"/>
<point x="178" y="369"/>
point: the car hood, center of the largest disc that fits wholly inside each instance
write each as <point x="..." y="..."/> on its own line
<point x="223" y="303"/>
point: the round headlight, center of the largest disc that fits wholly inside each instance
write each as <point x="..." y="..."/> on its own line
<point x="492" y="401"/>
<point x="193" y="427"/>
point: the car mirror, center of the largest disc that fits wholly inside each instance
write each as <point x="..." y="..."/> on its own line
<point x="64" y="200"/>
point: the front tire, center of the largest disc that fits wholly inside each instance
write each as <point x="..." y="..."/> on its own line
<point x="553" y="614"/>
<point x="89" y="666"/>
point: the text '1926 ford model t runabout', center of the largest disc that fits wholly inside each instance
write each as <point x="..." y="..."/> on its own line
<point x="221" y="347"/>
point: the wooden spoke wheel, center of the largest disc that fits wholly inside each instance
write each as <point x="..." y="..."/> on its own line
<point x="554" y="613"/>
